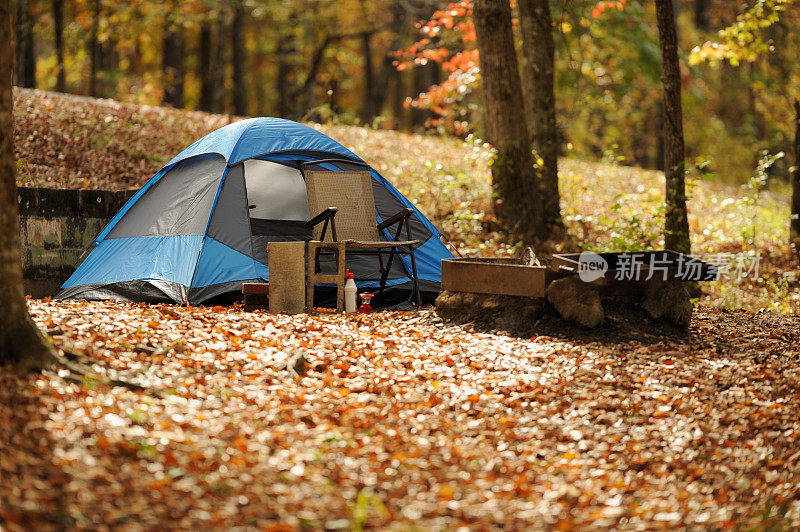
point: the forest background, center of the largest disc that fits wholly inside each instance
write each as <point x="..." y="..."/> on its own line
<point x="411" y="65"/>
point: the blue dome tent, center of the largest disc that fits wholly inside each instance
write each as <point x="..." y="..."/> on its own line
<point x="200" y="227"/>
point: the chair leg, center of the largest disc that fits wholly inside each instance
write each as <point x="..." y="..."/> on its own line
<point x="416" y="279"/>
<point x="340" y="274"/>
<point x="381" y="269"/>
<point x="311" y="264"/>
<point x="385" y="271"/>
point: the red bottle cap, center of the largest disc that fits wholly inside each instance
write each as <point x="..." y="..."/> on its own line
<point x="349" y="274"/>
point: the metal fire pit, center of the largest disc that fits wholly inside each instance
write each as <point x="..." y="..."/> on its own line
<point x="506" y="277"/>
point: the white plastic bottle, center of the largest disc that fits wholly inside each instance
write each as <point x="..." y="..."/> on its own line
<point x="350" y="294"/>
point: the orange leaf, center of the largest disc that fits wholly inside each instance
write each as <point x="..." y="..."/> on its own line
<point x="565" y="524"/>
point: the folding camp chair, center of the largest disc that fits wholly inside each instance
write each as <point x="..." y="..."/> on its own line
<point x="344" y="201"/>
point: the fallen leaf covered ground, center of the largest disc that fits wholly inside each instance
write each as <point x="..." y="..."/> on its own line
<point x="401" y="421"/>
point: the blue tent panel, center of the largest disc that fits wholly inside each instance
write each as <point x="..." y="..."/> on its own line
<point x="429" y="259"/>
<point x="220" y="264"/>
<point x="249" y="138"/>
<point x="166" y="258"/>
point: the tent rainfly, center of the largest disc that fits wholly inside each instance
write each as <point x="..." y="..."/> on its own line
<point x="199" y="228"/>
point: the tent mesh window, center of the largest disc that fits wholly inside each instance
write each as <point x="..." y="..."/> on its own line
<point x="277" y="205"/>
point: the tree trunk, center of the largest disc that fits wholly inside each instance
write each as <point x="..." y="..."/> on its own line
<point x="748" y="75"/>
<point x="794" y="226"/>
<point x="659" y="123"/>
<point x="172" y="55"/>
<point x="518" y="204"/>
<point x="701" y="14"/>
<point x="539" y="68"/>
<point x="206" y="72"/>
<point x="58" y="36"/>
<point x="284" y="92"/>
<point x="238" y="60"/>
<point x="20" y="339"/>
<point x="137" y="65"/>
<point x="418" y="86"/>
<point x="109" y="65"/>
<point x="333" y="96"/>
<point x="94" y="50"/>
<point x="676" y="233"/>
<point x="19" y="38"/>
<point x="423" y="77"/>
<point x="367" y="110"/>
<point x="26" y="56"/>
<point x="218" y="92"/>
<point x="307" y="88"/>
<point x="398" y="97"/>
<point x="282" y="82"/>
<point x="387" y="70"/>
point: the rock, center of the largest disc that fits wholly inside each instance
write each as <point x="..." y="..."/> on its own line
<point x="450" y="304"/>
<point x="509" y="313"/>
<point x="532" y="309"/>
<point x="668" y="300"/>
<point x="491" y="303"/>
<point x="520" y="315"/>
<point x="576" y="301"/>
<point x="469" y="299"/>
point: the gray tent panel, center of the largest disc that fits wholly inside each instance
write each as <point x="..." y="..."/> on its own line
<point x="364" y="267"/>
<point x="230" y="224"/>
<point x="179" y="204"/>
<point x="387" y="206"/>
<point x="152" y="291"/>
<point x="266" y="231"/>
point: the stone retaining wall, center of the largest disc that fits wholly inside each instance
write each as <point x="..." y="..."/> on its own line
<point x="56" y="226"/>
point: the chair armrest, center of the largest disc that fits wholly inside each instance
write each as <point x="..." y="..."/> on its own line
<point x="402" y="215"/>
<point x="328" y="213"/>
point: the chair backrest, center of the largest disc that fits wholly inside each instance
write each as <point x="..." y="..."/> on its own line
<point x="351" y="193"/>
